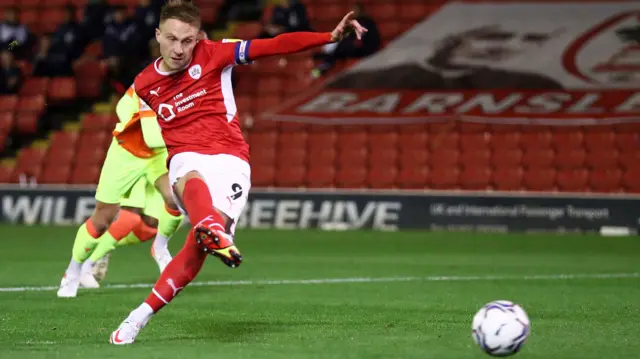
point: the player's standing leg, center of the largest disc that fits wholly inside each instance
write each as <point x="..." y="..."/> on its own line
<point x="169" y="221"/>
<point x="213" y="209"/>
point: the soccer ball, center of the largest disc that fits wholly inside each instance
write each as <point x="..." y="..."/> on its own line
<point x="500" y="328"/>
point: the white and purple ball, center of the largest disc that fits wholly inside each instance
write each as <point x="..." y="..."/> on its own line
<point x="500" y="328"/>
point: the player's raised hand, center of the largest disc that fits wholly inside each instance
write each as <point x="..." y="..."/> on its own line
<point x="347" y="26"/>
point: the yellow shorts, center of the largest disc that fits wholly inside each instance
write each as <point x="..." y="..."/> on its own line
<point x="122" y="171"/>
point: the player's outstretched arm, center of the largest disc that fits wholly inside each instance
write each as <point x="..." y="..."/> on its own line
<point x="293" y="42"/>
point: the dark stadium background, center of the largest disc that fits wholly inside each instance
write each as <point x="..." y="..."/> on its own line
<point x="361" y="240"/>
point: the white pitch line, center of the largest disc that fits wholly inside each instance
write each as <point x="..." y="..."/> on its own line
<point x="354" y="280"/>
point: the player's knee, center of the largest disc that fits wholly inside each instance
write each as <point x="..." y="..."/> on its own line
<point x="103" y="215"/>
<point x="149" y="221"/>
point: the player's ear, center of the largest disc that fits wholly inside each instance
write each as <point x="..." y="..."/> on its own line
<point x="157" y="34"/>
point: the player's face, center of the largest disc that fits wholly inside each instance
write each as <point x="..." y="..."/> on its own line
<point x="177" y="40"/>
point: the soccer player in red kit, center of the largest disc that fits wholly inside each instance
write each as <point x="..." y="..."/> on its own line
<point x="189" y="88"/>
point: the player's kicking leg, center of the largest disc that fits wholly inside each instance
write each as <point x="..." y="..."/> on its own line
<point x="213" y="190"/>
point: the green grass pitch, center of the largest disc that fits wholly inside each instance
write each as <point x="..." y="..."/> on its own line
<point x="422" y="292"/>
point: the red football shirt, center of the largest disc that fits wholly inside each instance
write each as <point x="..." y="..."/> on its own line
<point x="195" y="106"/>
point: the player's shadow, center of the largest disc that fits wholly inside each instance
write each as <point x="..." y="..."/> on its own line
<point x="240" y="331"/>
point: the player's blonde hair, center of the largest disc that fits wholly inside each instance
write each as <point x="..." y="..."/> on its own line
<point x="182" y="10"/>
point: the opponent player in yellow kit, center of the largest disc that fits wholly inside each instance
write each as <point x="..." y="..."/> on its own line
<point x="133" y="197"/>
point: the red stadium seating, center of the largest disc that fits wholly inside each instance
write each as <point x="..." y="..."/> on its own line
<point x="605" y="179"/>
<point x="8" y="103"/>
<point x="351" y="177"/>
<point x="6" y="122"/>
<point x="290" y="175"/>
<point x="27" y="122"/>
<point x="445" y="178"/>
<point x="382" y="177"/>
<point x="262" y="176"/>
<point x="34" y="86"/>
<point x="320" y="176"/>
<point x="569" y="157"/>
<point x="413" y="177"/>
<point x="539" y="179"/>
<point x="85" y="174"/>
<point x="475" y="178"/>
<point x="479" y="157"/>
<point x="54" y="173"/>
<point x="573" y="180"/>
<point x="507" y="178"/>
<point x="62" y="89"/>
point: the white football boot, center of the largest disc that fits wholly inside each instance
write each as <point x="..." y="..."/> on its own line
<point x="68" y="287"/>
<point x="99" y="270"/>
<point x="87" y="280"/>
<point x="128" y="330"/>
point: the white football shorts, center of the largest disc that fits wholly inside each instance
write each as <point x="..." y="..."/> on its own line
<point x="228" y="178"/>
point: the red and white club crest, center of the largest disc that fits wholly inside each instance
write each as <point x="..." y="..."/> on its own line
<point x="195" y="72"/>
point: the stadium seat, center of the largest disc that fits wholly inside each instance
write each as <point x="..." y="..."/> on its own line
<point x="567" y="138"/>
<point x="630" y="181"/>
<point x="600" y="141"/>
<point x="322" y="139"/>
<point x="246" y="30"/>
<point x="507" y="178"/>
<point x="479" y="157"/>
<point x="570" y="157"/>
<point x="605" y="179"/>
<point x="383" y="11"/>
<point x="381" y="139"/>
<point x="290" y="175"/>
<point x="382" y="177"/>
<point x="271" y="85"/>
<point x="413" y="137"/>
<point x="55" y="174"/>
<point x="27" y="123"/>
<point x="34" y="86"/>
<point x="330" y="12"/>
<point x="538" y="157"/>
<point x="383" y="157"/>
<point x="414" y="11"/>
<point x="64" y="138"/>
<point x="29" y="3"/>
<point x="627" y="140"/>
<point x="536" y="139"/>
<point x="573" y="180"/>
<point x="263" y="176"/>
<point x="293" y="139"/>
<point x="502" y="140"/>
<point x="474" y="141"/>
<point x="8" y="103"/>
<point x="351" y="177"/>
<point x="263" y="156"/>
<point x="539" y="179"/>
<point x="90" y="155"/>
<point x="60" y="155"/>
<point x="93" y="122"/>
<point x="322" y="157"/>
<point x="62" y="89"/>
<point x="6" y="122"/>
<point x="319" y="176"/>
<point x="413" y="177"/>
<point x="446" y="157"/>
<point x="94" y="139"/>
<point x="208" y="14"/>
<point x="85" y="174"/>
<point x="413" y="157"/>
<point x="445" y="178"/>
<point x="267" y="103"/>
<point x="475" y="178"/>
<point x="444" y="140"/>
<point x="50" y="19"/>
<point x="289" y="156"/>
<point x="259" y="140"/>
<point x="29" y="18"/>
<point x="473" y="127"/>
<point x="5" y="173"/>
<point x="629" y="159"/>
<point x="352" y="157"/>
<point x="3" y="141"/>
<point x="31" y="104"/>
<point x="506" y="157"/>
<point x="602" y="159"/>
<point x="352" y="138"/>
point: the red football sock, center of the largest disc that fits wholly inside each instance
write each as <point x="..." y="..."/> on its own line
<point x="181" y="271"/>
<point x="198" y="203"/>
